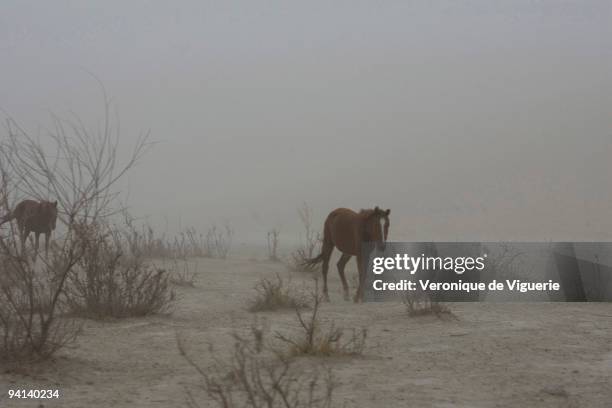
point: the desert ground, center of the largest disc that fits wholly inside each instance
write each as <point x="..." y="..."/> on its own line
<point x="490" y="355"/>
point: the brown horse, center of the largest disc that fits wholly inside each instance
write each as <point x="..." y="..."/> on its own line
<point x="348" y="231"/>
<point x="36" y="217"/>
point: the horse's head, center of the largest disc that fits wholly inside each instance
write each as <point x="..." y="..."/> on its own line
<point x="48" y="210"/>
<point x="376" y="227"/>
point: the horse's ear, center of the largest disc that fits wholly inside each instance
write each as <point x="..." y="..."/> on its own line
<point x="388" y="212"/>
<point x="55" y="203"/>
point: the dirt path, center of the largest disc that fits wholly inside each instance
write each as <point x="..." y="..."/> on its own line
<point x="493" y="355"/>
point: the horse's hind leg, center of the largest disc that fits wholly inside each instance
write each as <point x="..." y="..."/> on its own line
<point x="341" y="264"/>
<point x="23" y="236"/>
<point x="326" y="252"/>
<point x="36" y="244"/>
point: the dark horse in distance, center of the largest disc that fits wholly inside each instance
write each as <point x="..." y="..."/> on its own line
<point x="348" y="231"/>
<point x="36" y="217"/>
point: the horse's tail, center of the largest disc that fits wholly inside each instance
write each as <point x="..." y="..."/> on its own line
<point x="8" y="217"/>
<point x="326" y="244"/>
<point x="310" y="263"/>
<point x="16" y="213"/>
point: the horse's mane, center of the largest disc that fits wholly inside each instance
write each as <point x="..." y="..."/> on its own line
<point x="366" y="213"/>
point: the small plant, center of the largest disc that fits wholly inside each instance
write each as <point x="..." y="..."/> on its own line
<point x="308" y="249"/>
<point x="276" y="293"/>
<point x="273" y="244"/>
<point x="257" y="376"/>
<point x="188" y="243"/>
<point x="419" y="303"/>
<point x="182" y="273"/>
<point x="317" y="341"/>
<point x="218" y="242"/>
<point x="506" y="262"/>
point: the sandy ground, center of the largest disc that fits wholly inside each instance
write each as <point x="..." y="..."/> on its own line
<point x="492" y="355"/>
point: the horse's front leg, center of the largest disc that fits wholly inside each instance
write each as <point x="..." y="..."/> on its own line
<point x="361" y="273"/>
<point x="326" y="252"/>
<point x="47" y="239"/>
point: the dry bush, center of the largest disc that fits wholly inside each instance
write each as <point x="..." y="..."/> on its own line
<point x="144" y="241"/>
<point x="314" y="339"/>
<point x="79" y="168"/>
<point x="311" y="242"/>
<point x="506" y="262"/>
<point x="188" y="243"/>
<point x="112" y="281"/>
<point x="31" y="322"/>
<point x="192" y="243"/>
<point x="277" y="293"/>
<point x="272" y="239"/>
<point x="256" y="375"/>
<point x="420" y="303"/>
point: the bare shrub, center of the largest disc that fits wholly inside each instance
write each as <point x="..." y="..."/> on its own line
<point x="272" y="239"/>
<point x="420" y="303"/>
<point x="218" y="241"/>
<point x="311" y="241"/>
<point x="79" y="168"/>
<point x="193" y="240"/>
<point x="187" y="243"/>
<point x="31" y="326"/>
<point x="112" y="281"/>
<point x="183" y="273"/>
<point x="276" y="293"/>
<point x="143" y="240"/>
<point x="314" y="339"/>
<point x="256" y="375"/>
<point x="506" y="263"/>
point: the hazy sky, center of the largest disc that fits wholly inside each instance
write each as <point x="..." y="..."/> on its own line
<point x="469" y="119"/>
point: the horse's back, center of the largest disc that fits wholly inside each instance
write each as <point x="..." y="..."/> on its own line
<point x="24" y="207"/>
<point x="33" y="216"/>
<point x="341" y="228"/>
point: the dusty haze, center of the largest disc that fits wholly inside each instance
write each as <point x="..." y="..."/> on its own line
<point x="469" y="120"/>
